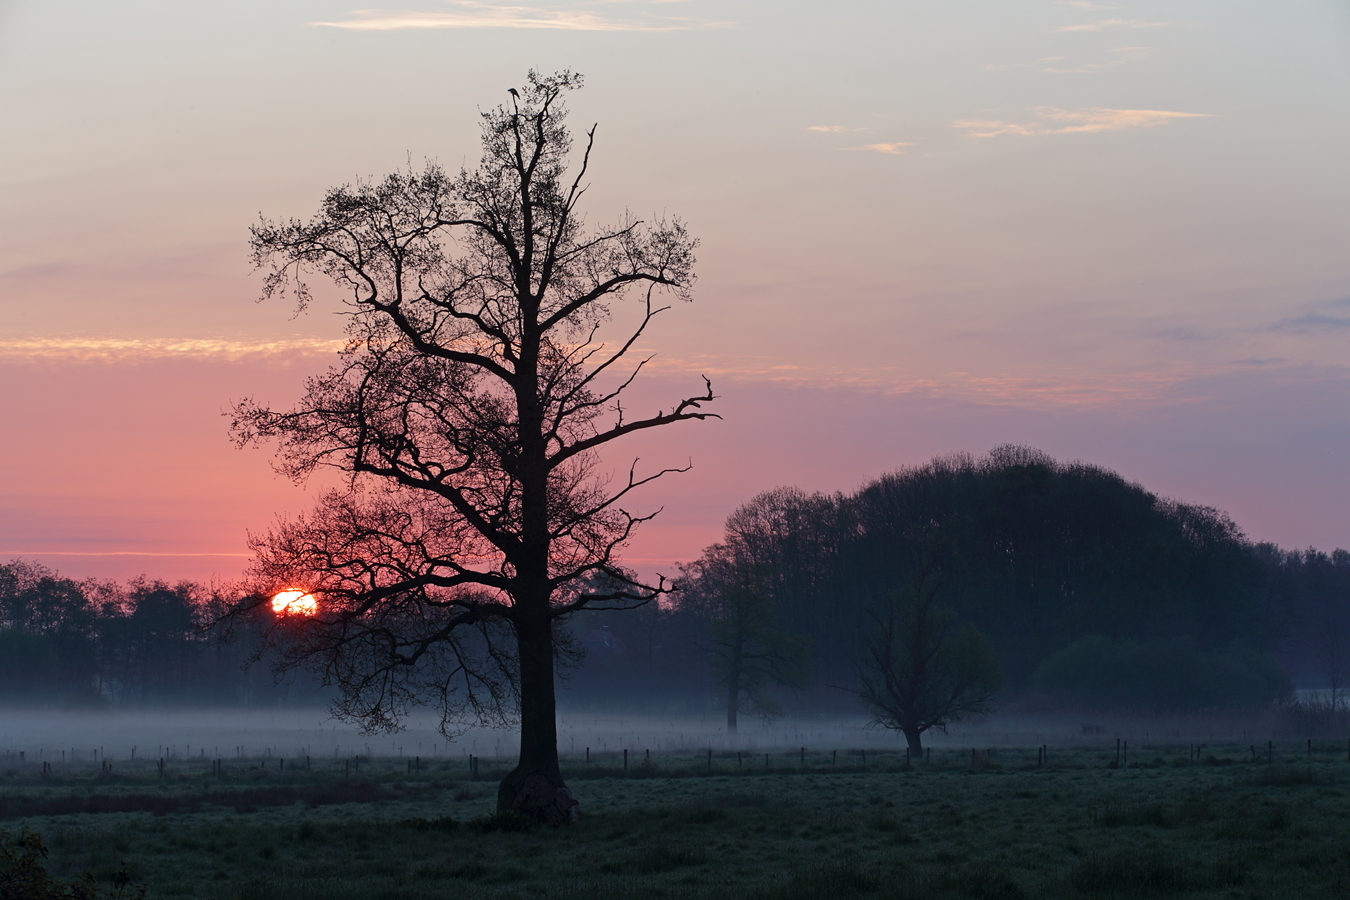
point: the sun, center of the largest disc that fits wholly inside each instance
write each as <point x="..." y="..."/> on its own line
<point x="294" y="602"/>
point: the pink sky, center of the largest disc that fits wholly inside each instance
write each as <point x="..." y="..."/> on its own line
<point x="1116" y="232"/>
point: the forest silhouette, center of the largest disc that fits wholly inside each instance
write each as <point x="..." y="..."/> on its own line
<point x="1094" y="593"/>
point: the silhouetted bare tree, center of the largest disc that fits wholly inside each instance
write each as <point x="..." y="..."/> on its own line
<point x="468" y="408"/>
<point x="735" y="588"/>
<point x="749" y="652"/>
<point x="920" y="668"/>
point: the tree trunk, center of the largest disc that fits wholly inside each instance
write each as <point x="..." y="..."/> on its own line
<point x="915" y="746"/>
<point x="733" y="701"/>
<point x="535" y="787"/>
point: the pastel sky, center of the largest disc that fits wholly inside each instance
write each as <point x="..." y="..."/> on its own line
<point x="1119" y="232"/>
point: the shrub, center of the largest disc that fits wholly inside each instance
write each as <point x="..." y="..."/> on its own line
<point x="23" y="876"/>
<point x="1168" y="674"/>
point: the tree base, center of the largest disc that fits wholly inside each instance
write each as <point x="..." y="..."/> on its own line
<point x="542" y="798"/>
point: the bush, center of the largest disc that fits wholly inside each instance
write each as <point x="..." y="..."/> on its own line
<point x="1170" y="674"/>
<point x="24" y="877"/>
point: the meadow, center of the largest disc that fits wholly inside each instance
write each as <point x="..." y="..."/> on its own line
<point x="1225" y="820"/>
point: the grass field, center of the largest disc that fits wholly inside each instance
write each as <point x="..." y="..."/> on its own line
<point x="1219" y="823"/>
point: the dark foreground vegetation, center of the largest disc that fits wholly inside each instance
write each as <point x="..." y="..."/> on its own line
<point x="1172" y="821"/>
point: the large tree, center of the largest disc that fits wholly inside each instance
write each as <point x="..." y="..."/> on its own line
<point x="485" y="371"/>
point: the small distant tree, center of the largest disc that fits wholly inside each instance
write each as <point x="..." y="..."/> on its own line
<point x="749" y="652"/>
<point x="921" y="668"/>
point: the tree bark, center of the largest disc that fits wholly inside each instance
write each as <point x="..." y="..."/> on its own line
<point x="915" y="745"/>
<point x="535" y="787"/>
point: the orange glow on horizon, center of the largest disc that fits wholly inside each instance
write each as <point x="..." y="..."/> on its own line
<point x="294" y="602"/>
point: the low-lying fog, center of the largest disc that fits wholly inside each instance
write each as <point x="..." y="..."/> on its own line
<point x="312" y="732"/>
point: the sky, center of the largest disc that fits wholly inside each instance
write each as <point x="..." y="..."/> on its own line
<point x="1117" y="232"/>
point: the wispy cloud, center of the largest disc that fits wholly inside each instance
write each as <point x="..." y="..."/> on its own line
<point x="1111" y="23"/>
<point x="894" y="148"/>
<point x="98" y="349"/>
<point x="1051" y="120"/>
<point x="470" y="14"/>
<point x="1312" y="322"/>
<point x="20" y="553"/>
<point x="1066" y="391"/>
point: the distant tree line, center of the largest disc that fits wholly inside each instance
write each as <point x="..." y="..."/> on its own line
<point x="1089" y="592"/>
<point x="94" y="644"/>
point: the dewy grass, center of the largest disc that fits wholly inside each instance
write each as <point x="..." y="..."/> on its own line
<point x="1003" y="828"/>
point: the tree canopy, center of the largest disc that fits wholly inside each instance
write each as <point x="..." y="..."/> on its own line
<point x="1037" y="555"/>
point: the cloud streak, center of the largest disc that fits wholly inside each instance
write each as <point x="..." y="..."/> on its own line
<point x="1068" y="391"/>
<point x="1111" y="23"/>
<point x="1062" y="390"/>
<point x="1052" y="120"/>
<point x="894" y="148"/>
<point x="124" y="349"/>
<point x="22" y="553"/>
<point x="1312" y="322"/>
<point x="469" y="14"/>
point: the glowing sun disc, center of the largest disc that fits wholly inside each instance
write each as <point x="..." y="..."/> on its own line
<point x="294" y="602"/>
